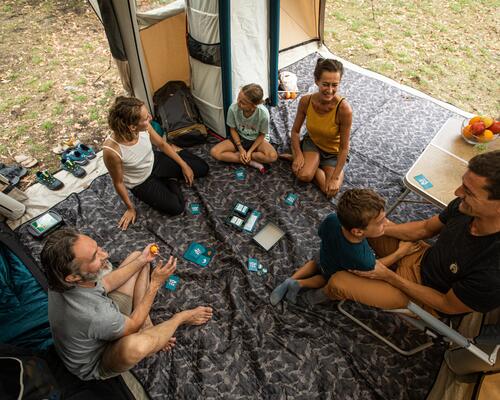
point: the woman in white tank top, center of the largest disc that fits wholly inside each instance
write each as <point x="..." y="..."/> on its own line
<point x="150" y="175"/>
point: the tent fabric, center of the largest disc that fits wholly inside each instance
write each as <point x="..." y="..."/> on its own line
<point x="249" y="44"/>
<point x="111" y="27"/>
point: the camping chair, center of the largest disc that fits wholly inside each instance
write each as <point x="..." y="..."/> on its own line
<point x="431" y="326"/>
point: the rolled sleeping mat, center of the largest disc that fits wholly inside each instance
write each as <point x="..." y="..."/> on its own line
<point x="11" y="208"/>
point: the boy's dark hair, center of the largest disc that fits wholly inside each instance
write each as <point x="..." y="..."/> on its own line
<point x="58" y="258"/>
<point x="357" y="207"/>
<point x="487" y="165"/>
<point x="328" y="65"/>
<point x="253" y="92"/>
<point x="124" y="112"/>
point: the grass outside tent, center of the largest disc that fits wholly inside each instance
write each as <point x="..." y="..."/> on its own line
<point x="57" y="77"/>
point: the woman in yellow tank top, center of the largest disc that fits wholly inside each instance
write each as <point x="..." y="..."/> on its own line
<point x="323" y="152"/>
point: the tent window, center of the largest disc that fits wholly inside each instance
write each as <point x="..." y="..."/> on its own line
<point x="206" y="53"/>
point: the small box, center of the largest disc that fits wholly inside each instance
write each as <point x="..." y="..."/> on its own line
<point x="172" y="282"/>
<point x="290" y="199"/>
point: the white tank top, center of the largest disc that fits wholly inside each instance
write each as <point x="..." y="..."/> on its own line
<point x="137" y="160"/>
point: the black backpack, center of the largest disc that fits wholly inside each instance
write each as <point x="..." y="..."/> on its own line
<point x="178" y="115"/>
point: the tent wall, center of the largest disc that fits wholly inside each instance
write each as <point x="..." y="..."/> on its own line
<point x="240" y="32"/>
<point x="250" y="44"/>
<point x="165" y="51"/>
<point x="301" y="21"/>
<point x="129" y="30"/>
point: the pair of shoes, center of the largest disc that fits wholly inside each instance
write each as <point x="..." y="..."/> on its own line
<point x="81" y="154"/>
<point x="47" y="179"/>
<point x="13" y="173"/>
<point x="73" y="168"/>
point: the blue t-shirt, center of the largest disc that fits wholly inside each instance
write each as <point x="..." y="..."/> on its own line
<point x="337" y="253"/>
<point x="249" y="127"/>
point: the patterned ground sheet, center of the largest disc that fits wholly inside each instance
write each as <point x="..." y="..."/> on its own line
<point x="252" y="350"/>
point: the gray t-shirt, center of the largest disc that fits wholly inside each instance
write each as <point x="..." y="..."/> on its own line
<point x="83" y="321"/>
<point x="249" y="128"/>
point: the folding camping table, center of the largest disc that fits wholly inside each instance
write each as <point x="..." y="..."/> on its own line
<point x="439" y="169"/>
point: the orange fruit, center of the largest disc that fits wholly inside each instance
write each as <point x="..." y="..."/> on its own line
<point x="467" y="132"/>
<point x="475" y="119"/>
<point x="287" y="95"/>
<point x="488" y="121"/>
<point x="154" y="249"/>
<point x="293" y="95"/>
<point x="487" y="136"/>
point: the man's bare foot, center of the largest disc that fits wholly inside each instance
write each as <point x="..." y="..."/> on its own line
<point x="170" y="344"/>
<point x="286" y="156"/>
<point x="196" y="316"/>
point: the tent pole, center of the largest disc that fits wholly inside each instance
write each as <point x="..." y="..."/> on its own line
<point x="274" y="38"/>
<point x="225" y="52"/>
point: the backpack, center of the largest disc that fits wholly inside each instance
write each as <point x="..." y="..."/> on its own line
<point x="178" y="115"/>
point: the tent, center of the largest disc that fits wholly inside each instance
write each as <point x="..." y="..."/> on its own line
<point x="215" y="46"/>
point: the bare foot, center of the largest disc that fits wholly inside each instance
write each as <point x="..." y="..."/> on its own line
<point x="170" y="344"/>
<point x="286" y="156"/>
<point x="197" y="316"/>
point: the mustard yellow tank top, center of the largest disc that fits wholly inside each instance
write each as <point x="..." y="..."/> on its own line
<point x="322" y="129"/>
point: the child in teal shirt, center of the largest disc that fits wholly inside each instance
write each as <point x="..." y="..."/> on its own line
<point x="248" y="122"/>
<point x="344" y="246"/>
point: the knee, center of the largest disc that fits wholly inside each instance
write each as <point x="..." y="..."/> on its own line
<point x="273" y="156"/>
<point x="335" y="287"/>
<point x="215" y="153"/>
<point x="136" y="348"/>
<point x="305" y="176"/>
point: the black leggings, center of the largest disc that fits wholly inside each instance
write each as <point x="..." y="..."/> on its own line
<point x="161" y="189"/>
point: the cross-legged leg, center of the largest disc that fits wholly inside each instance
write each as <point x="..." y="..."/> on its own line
<point x="135" y="287"/>
<point x="226" y="151"/>
<point x="265" y="153"/>
<point x="311" y="163"/>
<point x="320" y="179"/>
<point x="126" y="352"/>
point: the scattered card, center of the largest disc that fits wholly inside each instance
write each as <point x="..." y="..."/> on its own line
<point x="253" y="265"/>
<point x="423" y="181"/>
<point x="199" y="254"/>
<point x="240" y="174"/>
<point x="195" y="208"/>
<point x="290" y="199"/>
<point x="172" y="282"/>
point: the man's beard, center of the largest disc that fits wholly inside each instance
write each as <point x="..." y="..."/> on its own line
<point x="97" y="276"/>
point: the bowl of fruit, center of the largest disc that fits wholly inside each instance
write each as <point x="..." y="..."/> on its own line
<point x="480" y="129"/>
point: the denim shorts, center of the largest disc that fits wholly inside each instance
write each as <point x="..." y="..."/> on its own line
<point x="325" y="159"/>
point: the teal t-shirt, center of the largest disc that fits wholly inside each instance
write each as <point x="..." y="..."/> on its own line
<point x="249" y="128"/>
<point x="337" y="253"/>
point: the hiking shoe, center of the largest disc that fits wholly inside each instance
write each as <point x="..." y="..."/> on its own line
<point x="75" y="156"/>
<point x="87" y="151"/>
<point x="73" y="168"/>
<point x="47" y="179"/>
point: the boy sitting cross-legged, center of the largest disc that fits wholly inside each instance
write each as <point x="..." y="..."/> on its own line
<point x="360" y="216"/>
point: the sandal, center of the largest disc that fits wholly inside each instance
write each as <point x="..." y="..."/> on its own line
<point x="47" y="179"/>
<point x="73" y="168"/>
<point x="26" y="161"/>
<point x="75" y="156"/>
<point x="87" y="151"/>
<point x="13" y="173"/>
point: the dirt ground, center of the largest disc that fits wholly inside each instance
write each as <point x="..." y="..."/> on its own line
<point x="57" y="77"/>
